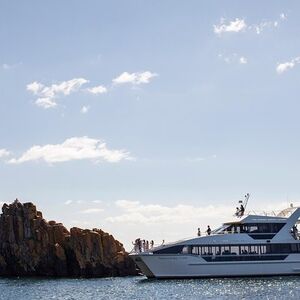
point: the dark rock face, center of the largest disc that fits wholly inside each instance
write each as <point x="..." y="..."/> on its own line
<point x="31" y="246"/>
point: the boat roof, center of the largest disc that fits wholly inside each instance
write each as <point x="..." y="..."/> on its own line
<point x="258" y="219"/>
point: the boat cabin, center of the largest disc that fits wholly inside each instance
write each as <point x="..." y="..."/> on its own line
<point x="258" y="227"/>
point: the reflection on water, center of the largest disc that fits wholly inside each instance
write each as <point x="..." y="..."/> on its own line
<point x="142" y="288"/>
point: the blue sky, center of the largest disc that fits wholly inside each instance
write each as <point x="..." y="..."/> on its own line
<point x="146" y="118"/>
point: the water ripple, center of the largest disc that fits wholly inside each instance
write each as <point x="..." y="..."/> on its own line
<point x="142" y="288"/>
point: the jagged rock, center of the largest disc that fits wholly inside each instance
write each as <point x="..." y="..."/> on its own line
<point x="29" y="245"/>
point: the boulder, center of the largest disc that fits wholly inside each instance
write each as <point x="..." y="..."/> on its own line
<point x="31" y="246"/>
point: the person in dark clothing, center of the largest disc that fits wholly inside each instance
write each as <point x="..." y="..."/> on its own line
<point x="208" y="231"/>
<point x="199" y="232"/>
<point x="242" y="210"/>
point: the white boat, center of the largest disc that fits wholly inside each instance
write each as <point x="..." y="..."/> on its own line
<point x="253" y="245"/>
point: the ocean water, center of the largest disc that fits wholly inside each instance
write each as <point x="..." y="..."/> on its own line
<point x="142" y="288"/>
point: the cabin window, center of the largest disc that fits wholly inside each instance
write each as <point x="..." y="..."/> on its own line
<point x="185" y="250"/>
<point x="225" y="250"/>
<point x="261" y="228"/>
<point x="206" y="250"/>
<point x="196" y="250"/>
<point x="244" y="249"/>
<point x="295" y="248"/>
<point x="235" y="250"/>
<point x="263" y="249"/>
<point x="252" y="228"/>
<point x="276" y="227"/>
<point x="280" y="248"/>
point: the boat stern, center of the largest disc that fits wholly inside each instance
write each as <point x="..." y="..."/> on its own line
<point x="139" y="261"/>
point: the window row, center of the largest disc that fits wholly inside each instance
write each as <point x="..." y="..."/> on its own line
<point x="242" y="249"/>
<point x="254" y="228"/>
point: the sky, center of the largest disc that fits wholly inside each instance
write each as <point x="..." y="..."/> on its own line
<point x="149" y="118"/>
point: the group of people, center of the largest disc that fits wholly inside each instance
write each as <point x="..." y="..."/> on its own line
<point x="240" y="211"/>
<point x="208" y="231"/>
<point x="142" y="245"/>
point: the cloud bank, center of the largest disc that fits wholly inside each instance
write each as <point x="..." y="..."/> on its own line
<point x="135" y="212"/>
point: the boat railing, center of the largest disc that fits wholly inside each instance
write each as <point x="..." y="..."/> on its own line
<point x="272" y="213"/>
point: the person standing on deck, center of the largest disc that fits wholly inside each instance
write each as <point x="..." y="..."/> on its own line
<point x="152" y="244"/>
<point x="242" y="210"/>
<point x="208" y="231"/>
<point x="199" y="232"/>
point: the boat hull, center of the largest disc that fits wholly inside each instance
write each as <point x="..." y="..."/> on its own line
<point x="194" y="266"/>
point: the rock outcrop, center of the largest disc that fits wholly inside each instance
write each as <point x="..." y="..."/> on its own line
<point x="31" y="246"/>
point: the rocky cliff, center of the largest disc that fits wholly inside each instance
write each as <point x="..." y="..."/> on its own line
<point x="30" y="246"/>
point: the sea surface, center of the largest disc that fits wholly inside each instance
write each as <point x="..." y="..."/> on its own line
<point x="142" y="288"/>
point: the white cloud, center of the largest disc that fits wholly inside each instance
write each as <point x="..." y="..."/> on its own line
<point x="239" y="25"/>
<point x="47" y="95"/>
<point x="283" y="67"/>
<point x="45" y="102"/>
<point x="236" y="25"/>
<point x="8" y="67"/>
<point x="134" y="78"/>
<point x="76" y="148"/>
<point x="283" y="16"/>
<point x="35" y="87"/>
<point x="68" y="202"/>
<point x="85" y="109"/>
<point x="97" y="201"/>
<point x="135" y="212"/>
<point x="100" y="89"/>
<point x="233" y="58"/>
<point x="260" y="27"/>
<point x="243" y="60"/>
<point x="4" y="152"/>
<point x="263" y="25"/>
<point x="92" y="210"/>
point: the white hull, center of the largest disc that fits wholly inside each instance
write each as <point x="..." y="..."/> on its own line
<point x="192" y="266"/>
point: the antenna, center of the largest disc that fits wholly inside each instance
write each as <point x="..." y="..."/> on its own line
<point x="247" y="196"/>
